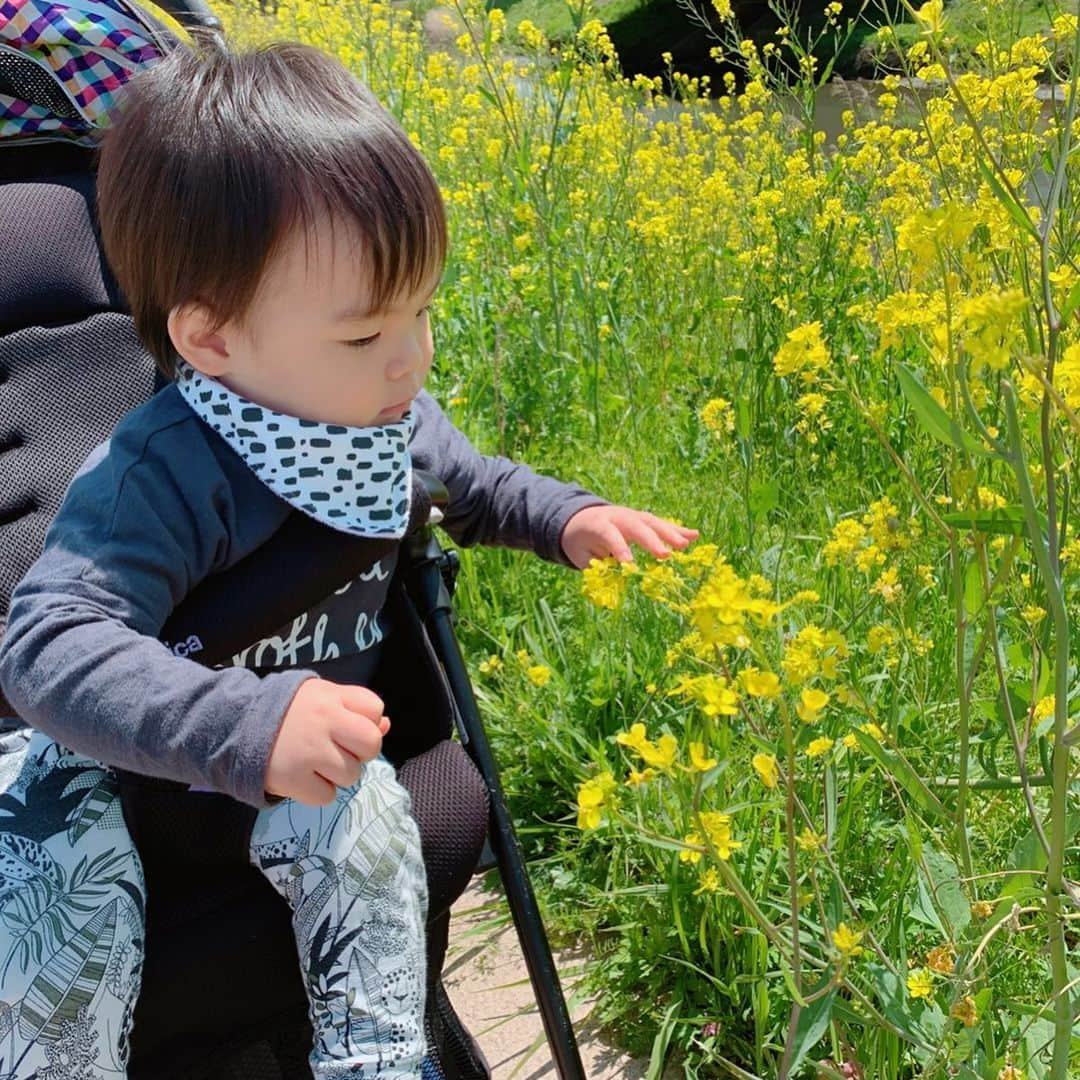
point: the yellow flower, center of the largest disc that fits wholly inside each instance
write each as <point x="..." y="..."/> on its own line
<point x="539" y="674"/>
<point x="964" y="1010"/>
<point x="762" y="684"/>
<point x="718" y="828"/>
<point x="920" y="984"/>
<point x="1045" y="707"/>
<point x="803" y="353"/>
<point x="710" y="881"/>
<point x="492" y="664"/>
<point x="636" y="779"/>
<point x="634" y="738"/>
<point x="688" y="854"/>
<point x="766" y="767"/>
<point x="931" y="16"/>
<point x="808" y="840"/>
<point x="718" y="416"/>
<point x="603" y="584"/>
<point x="819" y="746"/>
<point x="811" y="702"/>
<point x="663" y="754"/>
<point x="982" y="909"/>
<point x="661" y="582"/>
<point x="594" y="797"/>
<point x="942" y="959"/>
<point x="1011" y="1072"/>
<point x="1033" y="614"/>
<point x="846" y="941"/>
<point x="698" y="760"/>
<point x="871" y="729"/>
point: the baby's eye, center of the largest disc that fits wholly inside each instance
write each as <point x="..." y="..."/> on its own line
<point x="359" y="343"/>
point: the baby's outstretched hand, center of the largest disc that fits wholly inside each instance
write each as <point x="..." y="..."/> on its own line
<point x="599" y="531"/>
<point x="329" y="731"/>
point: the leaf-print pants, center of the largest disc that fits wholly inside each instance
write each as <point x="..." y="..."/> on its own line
<point x="72" y="918"/>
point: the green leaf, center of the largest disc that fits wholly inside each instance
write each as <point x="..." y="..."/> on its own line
<point x="1001" y="521"/>
<point x="901" y="771"/>
<point x="893" y="1000"/>
<point x="812" y="1023"/>
<point x="1016" y="211"/>
<point x="1072" y="302"/>
<point x="764" y="497"/>
<point x="933" y="417"/>
<point x="945" y="888"/>
<point x="661" y="1043"/>
<point x="1028" y="859"/>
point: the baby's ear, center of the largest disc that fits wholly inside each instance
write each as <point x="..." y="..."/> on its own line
<point x="198" y="336"/>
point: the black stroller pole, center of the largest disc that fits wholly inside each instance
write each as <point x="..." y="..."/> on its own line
<point x="431" y="597"/>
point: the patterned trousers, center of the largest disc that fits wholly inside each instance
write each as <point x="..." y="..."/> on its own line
<point x="72" y="917"/>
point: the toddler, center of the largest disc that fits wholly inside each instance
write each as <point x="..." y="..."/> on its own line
<point x="279" y="240"/>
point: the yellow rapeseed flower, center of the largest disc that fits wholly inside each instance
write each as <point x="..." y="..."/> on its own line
<point x="766" y="767"/>
<point x="603" y="583"/>
<point x="689" y="854"/>
<point x="803" y="353"/>
<point x="718" y="416"/>
<point x="539" y="674"/>
<point x="636" y="779"/>
<point x="819" y="746"/>
<point x="982" y="909"/>
<point x="920" y="983"/>
<point x="846" y="941"/>
<point x="760" y="684"/>
<point x="698" y="758"/>
<point x="594" y="797"/>
<point x="810" y="704"/>
<point x="661" y="755"/>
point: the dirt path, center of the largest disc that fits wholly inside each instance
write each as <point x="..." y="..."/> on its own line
<point x="486" y="978"/>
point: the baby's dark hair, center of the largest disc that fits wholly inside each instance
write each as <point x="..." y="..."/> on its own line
<point x="216" y="156"/>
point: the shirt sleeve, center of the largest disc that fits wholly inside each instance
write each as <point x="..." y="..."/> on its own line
<point x="494" y="500"/>
<point x="80" y="659"/>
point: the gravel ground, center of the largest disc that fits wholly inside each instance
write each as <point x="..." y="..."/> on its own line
<point x="486" y="979"/>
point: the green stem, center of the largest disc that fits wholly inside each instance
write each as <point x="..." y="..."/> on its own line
<point x="1055" y="881"/>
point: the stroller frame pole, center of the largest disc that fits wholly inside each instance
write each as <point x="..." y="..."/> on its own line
<point x="430" y="595"/>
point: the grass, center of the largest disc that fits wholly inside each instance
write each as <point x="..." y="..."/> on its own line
<point x="816" y="355"/>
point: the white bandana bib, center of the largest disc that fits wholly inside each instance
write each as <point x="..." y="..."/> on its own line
<point x="354" y="479"/>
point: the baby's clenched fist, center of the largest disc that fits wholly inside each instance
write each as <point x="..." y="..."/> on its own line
<point x="329" y="731"/>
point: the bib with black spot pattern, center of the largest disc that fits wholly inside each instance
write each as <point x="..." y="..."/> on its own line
<point x="355" y="479"/>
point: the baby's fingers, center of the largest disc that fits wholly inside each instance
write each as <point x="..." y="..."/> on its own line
<point x="676" y="535"/>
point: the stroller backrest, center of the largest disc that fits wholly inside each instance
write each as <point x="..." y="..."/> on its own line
<point x="70" y="362"/>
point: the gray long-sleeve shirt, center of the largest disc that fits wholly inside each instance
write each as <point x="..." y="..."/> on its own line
<point x="155" y="510"/>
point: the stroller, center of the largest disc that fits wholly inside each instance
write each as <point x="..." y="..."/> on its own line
<point x="222" y="996"/>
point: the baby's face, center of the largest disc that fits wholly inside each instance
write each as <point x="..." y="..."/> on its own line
<point x="308" y="345"/>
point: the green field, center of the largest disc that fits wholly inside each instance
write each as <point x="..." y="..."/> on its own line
<point x="810" y="794"/>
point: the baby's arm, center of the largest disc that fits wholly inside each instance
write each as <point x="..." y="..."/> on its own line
<point x="80" y="660"/>
<point x="496" y="501"/>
